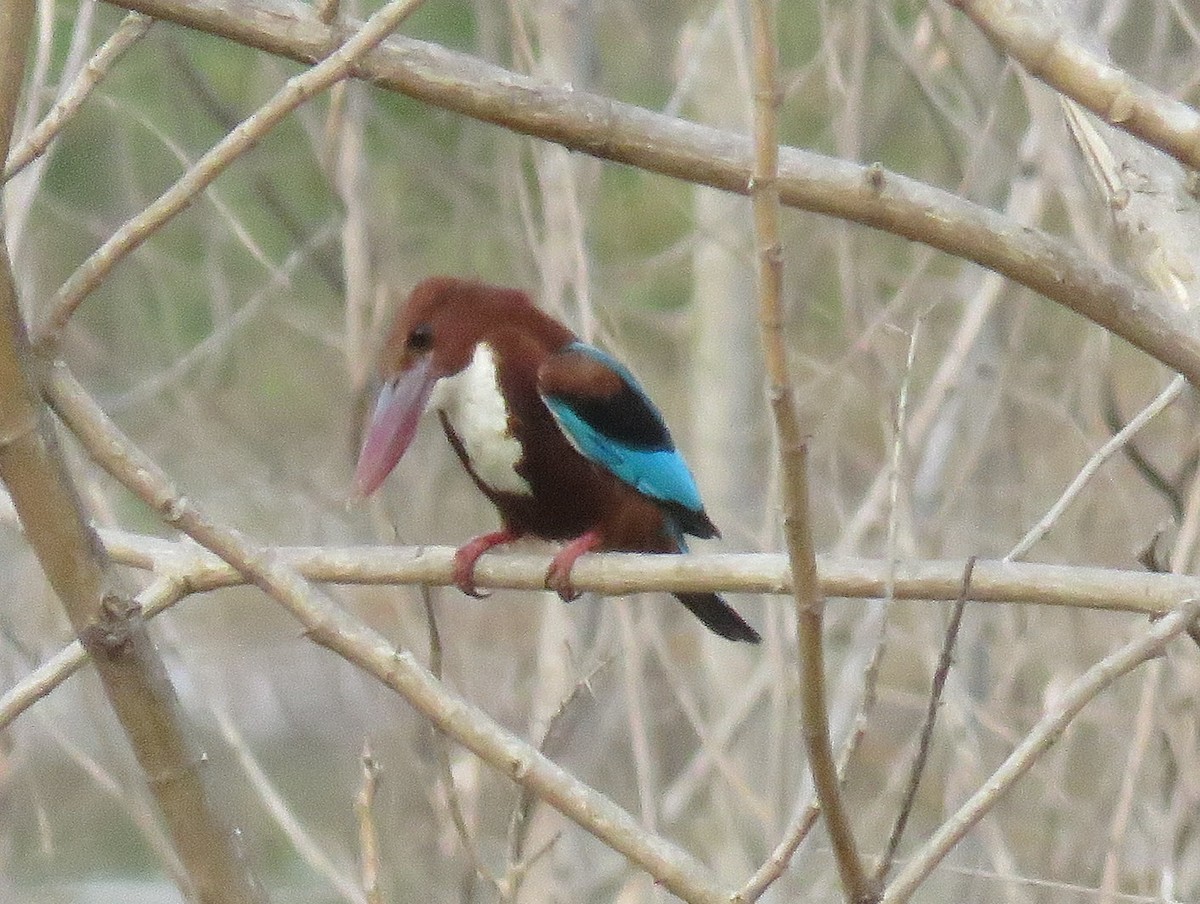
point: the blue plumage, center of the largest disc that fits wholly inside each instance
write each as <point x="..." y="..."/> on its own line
<point x="658" y="473"/>
<point x="624" y="432"/>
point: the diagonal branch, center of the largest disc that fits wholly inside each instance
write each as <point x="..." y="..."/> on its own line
<point x="1048" y="729"/>
<point x="628" y="134"/>
<point x="1032" y="38"/>
<point x="131" y="30"/>
<point x="332" y="627"/>
<point x="296" y="91"/>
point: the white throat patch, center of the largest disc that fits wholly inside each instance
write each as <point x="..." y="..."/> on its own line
<point x="472" y="402"/>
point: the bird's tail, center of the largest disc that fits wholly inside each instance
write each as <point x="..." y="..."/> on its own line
<point x="718" y="616"/>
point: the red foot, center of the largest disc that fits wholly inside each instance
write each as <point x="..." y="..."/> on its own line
<point x="466" y="556"/>
<point x="558" y="577"/>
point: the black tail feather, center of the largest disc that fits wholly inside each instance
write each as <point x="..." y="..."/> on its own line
<point x="718" y="616"/>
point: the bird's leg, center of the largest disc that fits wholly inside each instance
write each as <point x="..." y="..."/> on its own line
<point x="466" y="556"/>
<point x="558" y="577"/>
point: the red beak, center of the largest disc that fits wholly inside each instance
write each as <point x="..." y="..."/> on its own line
<point x="393" y="425"/>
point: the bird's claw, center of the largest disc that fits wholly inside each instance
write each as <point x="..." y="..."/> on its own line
<point x="467" y="585"/>
<point x="558" y="576"/>
<point x="558" y="579"/>
<point x="463" y="573"/>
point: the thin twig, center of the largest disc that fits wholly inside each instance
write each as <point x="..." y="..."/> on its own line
<point x="298" y="90"/>
<point x="368" y="836"/>
<point x="131" y="30"/>
<point x="268" y="195"/>
<point x="1169" y="489"/>
<point x="442" y="743"/>
<point x="1047" y="730"/>
<point x="793" y="454"/>
<point x="237" y="228"/>
<point x="1025" y="204"/>
<point x="632" y="684"/>
<point x="517" y="870"/>
<point x="1144" y="728"/>
<point x="775" y="865"/>
<point x="212" y="347"/>
<point x="1088" y="471"/>
<point x="125" y="799"/>
<point x="553" y="737"/>
<point x="309" y="849"/>
<point x="945" y="659"/>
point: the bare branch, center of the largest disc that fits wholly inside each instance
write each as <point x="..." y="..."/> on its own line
<point x="621" y="574"/>
<point x="298" y="90"/>
<point x="1031" y="37"/>
<point x="793" y="454"/>
<point x="132" y="29"/>
<point x="1048" y="729"/>
<point x="614" y="574"/>
<point x="337" y="630"/>
<point x="628" y="134"/>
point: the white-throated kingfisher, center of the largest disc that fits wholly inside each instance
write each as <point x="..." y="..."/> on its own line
<point x="555" y="432"/>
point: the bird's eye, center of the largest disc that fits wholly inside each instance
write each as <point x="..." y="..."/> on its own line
<point x="420" y="339"/>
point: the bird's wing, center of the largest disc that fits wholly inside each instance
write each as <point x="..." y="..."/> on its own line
<point x="608" y="417"/>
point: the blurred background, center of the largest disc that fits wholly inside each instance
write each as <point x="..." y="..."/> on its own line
<point x="948" y="409"/>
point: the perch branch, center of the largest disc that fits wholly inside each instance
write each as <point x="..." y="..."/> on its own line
<point x="622" y="574"/>
<point x="613" y="574"/>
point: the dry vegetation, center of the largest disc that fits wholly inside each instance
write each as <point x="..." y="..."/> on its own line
<point x="203" y="300"/>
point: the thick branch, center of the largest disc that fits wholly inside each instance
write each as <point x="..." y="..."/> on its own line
<point x="627" y="134"/>
<point x="106" y="620"/>
<point x="1031" y="37"/>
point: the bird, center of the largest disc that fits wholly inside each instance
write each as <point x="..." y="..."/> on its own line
<point x="555" y="432"/>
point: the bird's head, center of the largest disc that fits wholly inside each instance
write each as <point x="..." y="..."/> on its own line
<point x="434" y="335"/>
